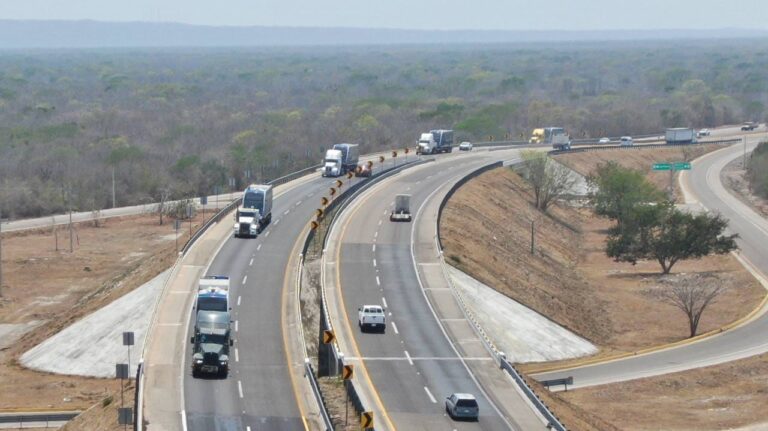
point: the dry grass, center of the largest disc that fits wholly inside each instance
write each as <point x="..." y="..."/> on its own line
<point x="57" y="288"/>
<point x="486" y="231"/>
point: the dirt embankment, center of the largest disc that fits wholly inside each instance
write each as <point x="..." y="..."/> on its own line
<point x="49" y="289"/>
<point x="486" y="230"/>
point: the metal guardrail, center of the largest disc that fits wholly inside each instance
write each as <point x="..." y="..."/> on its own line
<point x="553" y="421"/>
<point x="28" y="418"/>
<point x="309" y="372"/>
<point x="613" y="146"/>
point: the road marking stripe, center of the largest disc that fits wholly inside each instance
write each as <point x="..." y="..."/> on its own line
<point x="286" y="212"/>
<point x="378" y="282"/>
<point x="376" y="234"/>
<point x="258" y="248"/>
<point x="247" y="428"/>
<point x="384" y="300"/>
<point x="237" y="355"/>
<point x="373" y="248"/>
<point x="410" y="361"/>
<point x="244" y="279"/>
<point x="266" y="234"/>
<point x="379" y="222"/>
<point x="298" y="203"/>
<point x="417" y="358"/>
<point x="169" y="324"/>
<point x="237" y="327"/>
<point x="184" y="420"/>
<point x="238" y="300"/>
<point x="429" y="394"/>
<point x="240" y="388"/>
<point x="374" y="263"/>
<point x="277" y="222"/>
<point x="251" y="262"/>
<point x="395" y="328"/>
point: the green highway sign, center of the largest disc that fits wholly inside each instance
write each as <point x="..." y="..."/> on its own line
<point x="677" y="166"/>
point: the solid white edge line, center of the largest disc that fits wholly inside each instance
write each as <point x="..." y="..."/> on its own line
<point x="434" y="314"/>
<point x="429" y="394"/>
<point x="410" y="361"/>
<point x="240" y="388"/>
<point x="184" y="420"/>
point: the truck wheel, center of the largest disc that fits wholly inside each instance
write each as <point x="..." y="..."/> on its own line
<point x="195" y="374"/>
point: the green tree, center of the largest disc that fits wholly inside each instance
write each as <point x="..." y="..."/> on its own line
<point x="618" y="190"/>
<point x="668" y="235"/>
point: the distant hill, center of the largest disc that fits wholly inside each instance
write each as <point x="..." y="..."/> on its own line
<point x="94" y="34"/>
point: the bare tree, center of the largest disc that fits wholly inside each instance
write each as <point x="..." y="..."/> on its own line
<point x="549" y="179"/>
<point x="164" y="195"/>
<point x="692" y="294"/>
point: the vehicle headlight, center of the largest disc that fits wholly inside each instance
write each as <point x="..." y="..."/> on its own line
<point x="198" y="361"/>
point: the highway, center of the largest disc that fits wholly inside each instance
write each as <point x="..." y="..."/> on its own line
<point x="413" y="366"/>
<point x="704" y="186"/>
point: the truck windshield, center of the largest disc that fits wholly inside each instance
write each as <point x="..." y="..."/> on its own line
<point x="254" y="199"/>
<point x="212" y="304"/>
<point x="213" y="339"/>
<point x="334" y="161"/>
<point x="247" y="214"/>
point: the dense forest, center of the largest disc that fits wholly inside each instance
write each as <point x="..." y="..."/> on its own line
<point x="183" y="121"/>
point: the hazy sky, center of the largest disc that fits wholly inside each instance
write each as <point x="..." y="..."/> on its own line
<point x="414" y="14"/>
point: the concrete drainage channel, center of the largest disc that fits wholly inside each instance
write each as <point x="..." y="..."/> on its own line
<point x="538" y="403"/>
<point x="330" y="358"/>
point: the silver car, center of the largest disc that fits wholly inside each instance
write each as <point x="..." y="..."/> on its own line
<point x="462" y="406"/>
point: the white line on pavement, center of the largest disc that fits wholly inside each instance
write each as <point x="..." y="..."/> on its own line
<point x="418" y="358"/>
<point x="384" y="301"/>
<point x="251" y="262"/>
<point x="258" y="248"/>
<point x="395" y="328"/>
<point x="266" y="234"/>
<point x="237" y="327"/>
<point x="376" y="235"/>
<point x="374" y="263"/>
<point x="244" y="279"/>
<point x="238" y="300"/>
<point x="298" y="203"/>
<point x="407" y="356"/>
<point x="429" y="394"/>
<point x="237" y="355"/>
<point x="240" y="388"/>
<point x="378" y="282"/>
<point x="373" y="248"/>
<point x="277" y="222"/>
<point x="286" y="212"/>
<point x="379" y="222"/>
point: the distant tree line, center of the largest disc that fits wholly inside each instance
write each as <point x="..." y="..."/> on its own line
<point x="183" y="122"/>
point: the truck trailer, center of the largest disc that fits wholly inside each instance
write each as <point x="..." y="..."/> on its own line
<point x="435" y="142"/>
<point x="254" y="212"/>
<point x="680" y="135"/>
<point x="212" y="293"/>
<point x="546" y="135"/>
<point x="339" y="160"/>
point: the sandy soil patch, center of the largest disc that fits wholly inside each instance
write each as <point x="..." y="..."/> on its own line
<point x="57" y="288"/>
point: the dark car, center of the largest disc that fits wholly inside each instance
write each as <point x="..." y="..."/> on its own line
<point x="462" y="406"/>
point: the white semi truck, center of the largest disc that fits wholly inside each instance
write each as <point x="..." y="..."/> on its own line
<point x="436" y="141"/>
<point x="340" y="159"/>
<point x="254" y="212"/>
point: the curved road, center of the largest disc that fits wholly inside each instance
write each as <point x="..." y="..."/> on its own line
<point x="413" y="365"/>
<point x="750" y="339"/>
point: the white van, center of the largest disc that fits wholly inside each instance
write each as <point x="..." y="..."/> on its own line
<point x="626" y="141"/>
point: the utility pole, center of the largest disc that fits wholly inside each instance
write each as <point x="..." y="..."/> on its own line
<point x="744" y="160"/>
<point x="71" y="246"/>
<point x="114" y="201"/>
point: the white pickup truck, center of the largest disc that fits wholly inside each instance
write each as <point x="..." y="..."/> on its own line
<point x="371" y="317"/>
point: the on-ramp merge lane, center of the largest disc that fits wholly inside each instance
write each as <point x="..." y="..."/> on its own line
<point x="744" y="341"/>
<point x="412" y="365"/>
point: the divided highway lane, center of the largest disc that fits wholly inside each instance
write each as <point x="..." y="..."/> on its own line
<point x="748" y="340"/>
<point x="412" y="365"/>
<point x="258" y="394"/>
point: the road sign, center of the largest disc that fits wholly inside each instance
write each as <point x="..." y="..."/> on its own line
<point x="347" y="372"/>
<point x="125" y="416"/>
<point x="681" y="166"/>
<point x="366" y="420"/>
<point x="324" y="201"/>
<point x="394" y="153"/>
<point x="406" y="151"/>
<point x="203" y="200"/>
<point x="318" y="213"/>
<point x="121" y="371"/>
<point x="333" y="191"/>
<point x="339" y="183"/>
<point x="128" y="338"/>
<point x="350" y="174"/>
<point x="381" y="159"/>
<point x="328" y="336"/>
<point x="662" y="166"/>
<point x="315" y="225"/>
